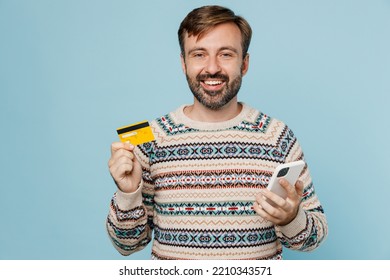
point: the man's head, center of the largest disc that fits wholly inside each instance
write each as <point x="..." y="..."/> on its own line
<point x="214" y="44"/>
<point x="201" y="20"/>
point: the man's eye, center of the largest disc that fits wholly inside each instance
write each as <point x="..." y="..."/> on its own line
<point x="226" y="55"/>
<point x="198" y="55"/>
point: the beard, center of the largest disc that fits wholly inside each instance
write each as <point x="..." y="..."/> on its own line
<point x="214" y="100"/>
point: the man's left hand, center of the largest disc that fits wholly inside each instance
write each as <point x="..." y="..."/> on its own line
<point x="277" y="210"/>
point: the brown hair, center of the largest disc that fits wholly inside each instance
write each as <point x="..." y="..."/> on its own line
<point x="201" y="20"/>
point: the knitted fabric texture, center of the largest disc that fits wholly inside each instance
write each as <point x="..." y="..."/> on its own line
<point x="199" y="183"/>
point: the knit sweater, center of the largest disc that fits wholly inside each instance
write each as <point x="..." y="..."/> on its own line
<point x="198" y="187"/>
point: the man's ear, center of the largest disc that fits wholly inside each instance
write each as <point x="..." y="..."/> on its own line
<point x="183" y="63"/>
<point x="245" y="65"/>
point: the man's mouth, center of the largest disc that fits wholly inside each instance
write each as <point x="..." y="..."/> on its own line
<point x="212" y="85"/>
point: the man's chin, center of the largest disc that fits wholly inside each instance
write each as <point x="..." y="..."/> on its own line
<point x="213" y="105"/>
<point x="213" y="93"/>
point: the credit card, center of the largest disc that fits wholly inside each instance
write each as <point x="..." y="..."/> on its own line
<point x="136" y="134"/>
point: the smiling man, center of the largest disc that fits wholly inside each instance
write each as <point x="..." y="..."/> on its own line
<point x="214" y="65"/>
<point x="201" y="185"/>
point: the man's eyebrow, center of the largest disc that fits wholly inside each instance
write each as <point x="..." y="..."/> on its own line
<point x="196" y="50"/>
<point x="227" y="48"/>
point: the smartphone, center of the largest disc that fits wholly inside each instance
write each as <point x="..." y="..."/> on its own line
<point x="289" y="171"/>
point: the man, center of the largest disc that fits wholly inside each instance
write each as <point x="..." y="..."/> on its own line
<point x="200" y="186"/>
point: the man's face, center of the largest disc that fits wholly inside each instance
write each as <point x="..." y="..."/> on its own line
<point x="214" y="65"/>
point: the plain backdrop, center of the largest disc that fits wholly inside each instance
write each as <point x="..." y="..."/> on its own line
<point x="73" y="71"/>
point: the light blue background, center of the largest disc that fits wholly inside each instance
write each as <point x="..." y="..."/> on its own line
<point x="71" y="72"/>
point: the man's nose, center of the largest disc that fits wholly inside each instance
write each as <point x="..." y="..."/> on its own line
<point x="212" y="66"/>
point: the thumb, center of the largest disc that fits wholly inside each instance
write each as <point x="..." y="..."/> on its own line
<point x="129" y="146"/>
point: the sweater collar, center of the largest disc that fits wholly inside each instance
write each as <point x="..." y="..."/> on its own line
<point x="245" y="115"/>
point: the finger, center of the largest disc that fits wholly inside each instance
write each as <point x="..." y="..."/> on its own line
<point x="260" y="211"/>
<point x="268" y="208"/>
<point x="122" y="152"/>
<point x="122" y="170"/>
<point x="115" y="165"/>
<point x="125" y="158"/>
<point x="120" y="156"/>
<point x="115" y="146"/>
<point x="274" y="198"/>
<point x="290" y="189"/>
<point x="299" y="187"/>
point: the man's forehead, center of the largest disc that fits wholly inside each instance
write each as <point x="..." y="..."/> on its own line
<point x="217" y="35"/>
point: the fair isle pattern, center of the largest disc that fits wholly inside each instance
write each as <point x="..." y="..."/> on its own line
<point x="130" y="248"/>
<point x="227" y="222"/>
<point x="304" y="239"/>
<point x="212" y="179"/>
<point x="161" y="254"/>
<point x="215" y="238"/>
<point x="170" y="128"/>
<point x="206" y="208"/>
<point x="259" y="125"/>
<point x="224" y="149"/>
<point x="198" y="189"/>
<point x="308" y="192"/>
<point x="129" y="215"/>
<point x="123" y="233"/>
<point x="229" y="194"/>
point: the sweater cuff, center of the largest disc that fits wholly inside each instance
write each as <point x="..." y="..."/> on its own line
<point x="295" y="226"/>
<point x="127" y="201"/>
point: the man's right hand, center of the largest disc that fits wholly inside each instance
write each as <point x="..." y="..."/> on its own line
<point x="124" y="167"/>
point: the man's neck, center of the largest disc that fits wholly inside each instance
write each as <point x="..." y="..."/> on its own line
<point x="199" y="112"/>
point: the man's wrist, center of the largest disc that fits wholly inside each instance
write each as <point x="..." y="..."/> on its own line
<point x="127" y="201"/>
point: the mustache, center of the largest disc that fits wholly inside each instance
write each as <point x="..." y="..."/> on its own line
<point x="202" y="77"/>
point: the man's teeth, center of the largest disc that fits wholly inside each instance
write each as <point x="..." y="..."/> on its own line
<point x="213" y="83"/>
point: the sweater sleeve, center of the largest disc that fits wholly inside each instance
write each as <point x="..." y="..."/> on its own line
<point x="130" y="218"/>
<point x="309" y="228"/>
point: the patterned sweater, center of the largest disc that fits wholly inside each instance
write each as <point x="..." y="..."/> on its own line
<point x="199" y="184"/>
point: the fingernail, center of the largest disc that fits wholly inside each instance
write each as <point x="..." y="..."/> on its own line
<point x="131" y="146"/>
